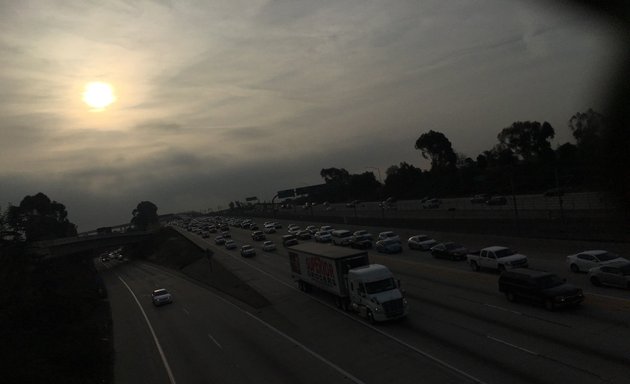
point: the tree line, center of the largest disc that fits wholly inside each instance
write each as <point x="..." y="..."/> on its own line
<point x="37" y="217"/>
<point x="522" y="161"/>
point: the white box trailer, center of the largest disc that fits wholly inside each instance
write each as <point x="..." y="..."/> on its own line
<point x="369" y="289"/>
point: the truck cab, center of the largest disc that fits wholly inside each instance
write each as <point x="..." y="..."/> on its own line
<point x="375" y="294"/>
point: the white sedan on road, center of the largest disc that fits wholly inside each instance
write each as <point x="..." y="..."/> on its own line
<point x="583" y="261"/>
<point x="161" y="296"/>
<point x="388" y="235"/>
<point x="323" y="237"/>
<point x="422" y="242"/>
<point x="616" y="274"/>
<point x="268" y="246"/>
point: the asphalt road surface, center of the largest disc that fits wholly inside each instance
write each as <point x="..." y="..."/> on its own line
<point x="460" y="329"/>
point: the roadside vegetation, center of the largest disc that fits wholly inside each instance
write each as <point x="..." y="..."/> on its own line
<point x="521" y="162"/>
<point x="54" y="326"/>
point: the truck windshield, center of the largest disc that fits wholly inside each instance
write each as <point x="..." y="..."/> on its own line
<point x="504" y="253"/>
<point x="380" y="286"/>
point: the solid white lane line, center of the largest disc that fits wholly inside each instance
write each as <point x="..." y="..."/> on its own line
<point x="502" y="309"/>
<point x="155" y="339"/>
<point x="185" y="311"/>
<point x="307" y="349"/>
<point x="292" y="340"/>
<point x="606" y="296"/>
<point x="358" y="320"/>
<point x="215" y="341"/>
<point x="354" y="318"/>
<point x="513" y="346"/>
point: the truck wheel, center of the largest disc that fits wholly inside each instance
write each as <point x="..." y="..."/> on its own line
<point x="370" y="317"/>
<point x="595" y="281"/>
<point x="474" y="266"/>
<point x="549" y="305"/>
<point x="575" y="268"/>
<point x="510" y="296"/>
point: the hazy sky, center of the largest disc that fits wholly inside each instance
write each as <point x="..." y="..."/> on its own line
<point x="220" y="100"/>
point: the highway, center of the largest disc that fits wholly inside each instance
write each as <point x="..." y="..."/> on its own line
<point x="459" y="330"/>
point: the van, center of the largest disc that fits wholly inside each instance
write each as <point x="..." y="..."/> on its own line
<point x="341" y="237"/>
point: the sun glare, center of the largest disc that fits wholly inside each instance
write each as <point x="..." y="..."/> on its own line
<point x="98" y="95"/>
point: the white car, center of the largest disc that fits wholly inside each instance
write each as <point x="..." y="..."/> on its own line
<point x="323" y="237"/>
<point x="247" y="251"/>
<point x="270" y="228"/>
<point x="388" y="235"/>
<point x="326" y="228"/>
<point x="161" y="296"/>
<point x="268" y="246"/>
<point x="312" y="229"/>
<point x="616" y="274"/>
<point x="583" y="261"/>
<point x="422" y="242"/>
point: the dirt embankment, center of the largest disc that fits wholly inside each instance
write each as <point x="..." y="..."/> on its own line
<point x="170" y="249"/>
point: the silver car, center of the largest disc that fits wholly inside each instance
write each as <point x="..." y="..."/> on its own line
<point x="421" y="242"/>
<point x="616" y="274"/>
<point x="584" y="261"/>
<point x="161" y="296"/>
<point x="268" y="246"/>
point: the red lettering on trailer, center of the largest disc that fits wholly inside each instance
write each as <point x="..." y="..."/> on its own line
<point x="320" y="270"/>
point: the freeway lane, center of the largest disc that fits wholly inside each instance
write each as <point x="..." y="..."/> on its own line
<point x="459" y="317"/>
<point x="205" y="338"/>
<point x="546" y="254"/>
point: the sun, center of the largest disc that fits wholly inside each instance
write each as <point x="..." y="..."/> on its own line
<point x="98" y="95"/>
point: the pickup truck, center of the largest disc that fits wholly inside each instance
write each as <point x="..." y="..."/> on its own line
<point x="497" y="258"/>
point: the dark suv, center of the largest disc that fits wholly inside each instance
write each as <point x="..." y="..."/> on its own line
<point x="539" y="287"/>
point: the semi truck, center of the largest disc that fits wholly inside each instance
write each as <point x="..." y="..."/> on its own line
<point x="358" y="286"/>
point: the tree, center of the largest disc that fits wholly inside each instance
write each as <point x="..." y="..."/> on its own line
<point x="587" y="127"/>
<point x="338" y="181"/>
<point x="363" y="186"/>
<point x="144" y="216"/>
<point x="528" y="140"/>
<point x="435" y="146"/>
<point x="590" y="130"/>
<point x="336" y="176"/>
<point x="404" y="181"/>
<point x="231" y="205"/>
<point x="39" y="218"/>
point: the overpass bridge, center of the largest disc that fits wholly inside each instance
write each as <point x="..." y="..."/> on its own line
<point x="97" y="243"/>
